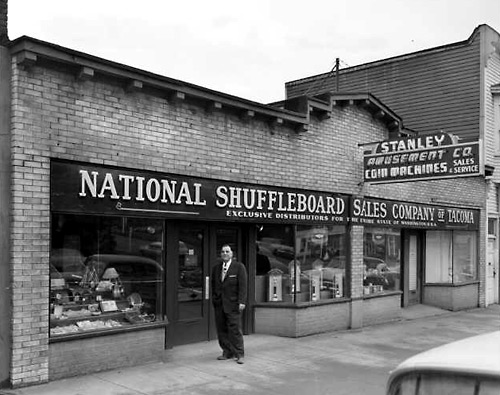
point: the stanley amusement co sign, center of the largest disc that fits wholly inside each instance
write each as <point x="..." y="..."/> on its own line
<point x="426" y="157"/>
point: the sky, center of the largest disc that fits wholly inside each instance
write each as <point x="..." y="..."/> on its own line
<point x="248" y="49"/>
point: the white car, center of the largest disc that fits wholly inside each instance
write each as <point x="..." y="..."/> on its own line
<point x="466" y="367"/>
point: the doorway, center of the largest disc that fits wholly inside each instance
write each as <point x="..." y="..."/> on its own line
<point x="492" y="272"/>
<point x="195" y="251"/>
<point x="412" y="268"/>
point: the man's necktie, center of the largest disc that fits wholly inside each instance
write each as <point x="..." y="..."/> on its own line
<point x="224" y="271"/>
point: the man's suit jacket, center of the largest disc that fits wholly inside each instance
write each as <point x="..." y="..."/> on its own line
<point x="233" y="290"/>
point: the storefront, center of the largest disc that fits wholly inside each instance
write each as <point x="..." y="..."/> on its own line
<point x="132" y="250"/>
<point x="122" y="186"/>
<point x="428" y="252"/>
<point x="411" y="254"/>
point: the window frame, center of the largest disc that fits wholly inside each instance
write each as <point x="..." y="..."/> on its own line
<point x="125" y="311"/>
<point x="294" y="271"/>
<point x="452" y="235"/>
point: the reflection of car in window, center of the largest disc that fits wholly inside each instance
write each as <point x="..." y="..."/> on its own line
<point x="372" y="262"/>
<point x="68" y="264"/>
<point x="283" y="251"/>
<point x="136" y="273"/>
<point x="190" y="270"/>
<point x="152" y="250"/>
<point x="378" y="273"/>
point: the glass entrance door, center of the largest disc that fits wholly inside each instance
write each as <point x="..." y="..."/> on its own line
<point x="192" y="315"/>
<point x="199" y="248"/>
<point x="412" y="289"/>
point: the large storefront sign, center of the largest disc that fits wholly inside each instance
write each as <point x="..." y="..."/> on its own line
<point x="427" y="157"/>
<point x="92" y="189"/>
<point x="378" y="212"/>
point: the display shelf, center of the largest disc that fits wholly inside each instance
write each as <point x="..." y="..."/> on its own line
<point x="117" y="315"/>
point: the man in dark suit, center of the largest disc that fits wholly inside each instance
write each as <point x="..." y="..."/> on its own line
<point x="229" y="295"/>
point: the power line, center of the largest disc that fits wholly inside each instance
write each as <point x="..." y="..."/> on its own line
<point x="323" y="80"/>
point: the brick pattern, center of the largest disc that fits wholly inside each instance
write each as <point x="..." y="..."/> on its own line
<point x="96" y="121"/>
<point x="300" y="322"/>
<point x="357" y="265"/>
<point x="5" y="194"/>
<point x="377" y="310"/>
<point x="96" y="354"/>
<point x="451" y="298"/>
<point x="330" y="317"/>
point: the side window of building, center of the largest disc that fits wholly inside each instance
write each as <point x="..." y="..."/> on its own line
<point x="300" y="263"/>
<point x="105" y="273"/>
<point x="492" y="227"/>
<point x="451" y="257"/>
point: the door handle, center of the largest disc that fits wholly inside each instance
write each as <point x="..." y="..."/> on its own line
<point x="207" y="288"/>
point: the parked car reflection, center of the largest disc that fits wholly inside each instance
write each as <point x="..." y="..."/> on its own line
<point x="190" y="285"/>
<point x="137" y="274"/>
<point x="67" y="264"/>
<point x="154" y="250"/>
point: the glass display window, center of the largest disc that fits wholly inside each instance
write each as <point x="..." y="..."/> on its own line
<point x="381" y="260"/>
<point x="309" y="262"/>
<point x="105" y="273"/>
<point x="464" y="256"/>
<point x="438" y="253"/>
<point x="451" y="257"/>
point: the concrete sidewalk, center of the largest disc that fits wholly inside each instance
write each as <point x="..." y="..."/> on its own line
<point x="348" y="362"/>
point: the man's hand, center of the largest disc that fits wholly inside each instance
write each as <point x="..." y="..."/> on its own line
<point x="242" y="306"/>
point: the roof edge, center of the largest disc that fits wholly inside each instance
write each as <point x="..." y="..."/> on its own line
<point x="396" y="58"/>
<point x="294" y="113"/>
<point x="30" y="50"/>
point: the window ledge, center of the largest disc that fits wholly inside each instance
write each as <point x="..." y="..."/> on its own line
<point x="106" y="332"/>
<point x="452" y="284"/>
<point x="301" y="305"/>
<point x="382" y="294"/>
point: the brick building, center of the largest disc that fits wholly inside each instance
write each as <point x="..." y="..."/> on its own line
<point x="454" y="88"/>
<point x="119" y="186"/>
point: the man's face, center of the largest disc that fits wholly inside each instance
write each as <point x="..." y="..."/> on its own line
<point x="226" y="253"/>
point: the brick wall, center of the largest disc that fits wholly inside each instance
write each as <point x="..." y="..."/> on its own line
<point x="55" y="115"/>
<point x="279" y="322"/>
<point x="5" y="196"/>
<point x="84" y="356"/>
<point x="297" y="322"/>
<point x="29" y="235"/>
<point x="465" y="297"/>
<point x="453" y="297"/>
<point x="303" y="321"/>
<point x="438" y="296"/>
<point x="380" y="309"/>
<point x="357" y="273"/>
